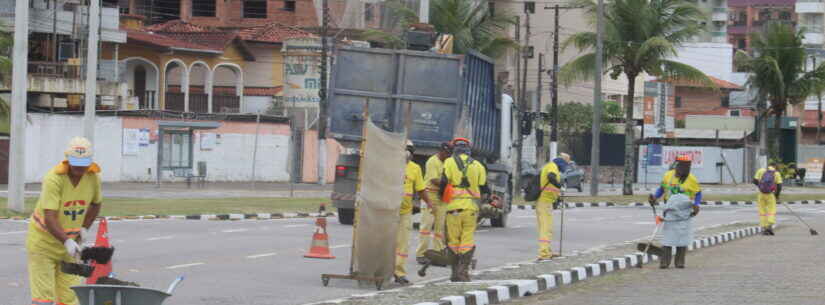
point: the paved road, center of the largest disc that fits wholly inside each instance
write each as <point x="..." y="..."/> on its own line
<point x="764" y="270"/>
<point x="260" y="262"/>
<point x="210" y="190"/>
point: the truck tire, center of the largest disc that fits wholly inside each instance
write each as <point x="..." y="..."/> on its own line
<point x="346" y="216"/>
<point x="499" y="222"/>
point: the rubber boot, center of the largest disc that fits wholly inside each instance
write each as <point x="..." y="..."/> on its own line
<point x="455" y="262"/>
<point x="664" y="260"/>
<point x="465" y="260"/>
<point x="680" y="257"/>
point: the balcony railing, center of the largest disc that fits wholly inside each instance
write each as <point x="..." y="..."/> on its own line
<point x="54" y="69"/>
<point x="809" y="1"/>
<point x="720" y="9"/>
<point x="812" y="28"/>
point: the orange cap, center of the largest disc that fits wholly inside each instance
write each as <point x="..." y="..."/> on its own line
<point x="456" y="140"/>
<point x="684" y="158"/>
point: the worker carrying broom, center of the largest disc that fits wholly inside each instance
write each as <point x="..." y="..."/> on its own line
<point x="465" y="182"/>
<point x="769" y="182"/>
<point x="69" y="202"/>
<point x="413" y="184"/>
<point x="551" y="183"/>
<point x="432" y="219"/>
<point x="678" y="185"/>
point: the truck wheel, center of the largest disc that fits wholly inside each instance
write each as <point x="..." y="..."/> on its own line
<point x="499" y="222"/>
<point x="346" y="216"/>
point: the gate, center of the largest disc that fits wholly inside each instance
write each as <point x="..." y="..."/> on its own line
<point x="4" y="161"/>
<point x="198" y="102"/>
<point x="226" y="103"/>
<point x="175" y="101"/>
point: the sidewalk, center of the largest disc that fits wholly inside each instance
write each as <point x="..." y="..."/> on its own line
<point x="783" y="269"/>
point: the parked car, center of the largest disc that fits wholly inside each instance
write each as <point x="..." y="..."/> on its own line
<point x="573" y="177"/>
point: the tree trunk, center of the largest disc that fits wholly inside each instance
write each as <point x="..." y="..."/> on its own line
<point x="629" y="137"/>
<point x="777" y="136"/>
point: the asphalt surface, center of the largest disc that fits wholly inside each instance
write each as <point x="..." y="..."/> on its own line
<point x="763" y="270"/>
<point x="260" y="262"/>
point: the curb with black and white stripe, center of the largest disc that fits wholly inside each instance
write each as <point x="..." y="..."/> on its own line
<point x="570" y="205"/>
<point x="522" y="288"/>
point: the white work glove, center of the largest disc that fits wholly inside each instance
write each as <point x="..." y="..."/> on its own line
<point x="86" y="236"/>
<point x="72" y="247"/>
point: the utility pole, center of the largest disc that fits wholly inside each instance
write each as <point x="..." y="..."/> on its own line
<point x="537" y="109"/>
<point x="322" y="93"/>
<point x="554" y="87"/>
<point x="424" y="11"/>
<point x="19" y="90"/>
<point x="597" y="102"/>
<point x="818" y="108"/>
<point x="91" y="71"/>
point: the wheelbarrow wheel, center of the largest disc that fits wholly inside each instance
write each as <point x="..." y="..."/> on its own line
<point x="325" y="281"/>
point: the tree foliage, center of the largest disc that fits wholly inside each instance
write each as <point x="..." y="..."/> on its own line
<point x="471" y="23"/>
<point x="640" y="37"/>
<point x="576" y="120"/>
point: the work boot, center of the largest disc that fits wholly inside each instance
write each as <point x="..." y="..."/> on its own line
<point x="680" y="257"/>
<point x="664" y="260"/>
<point x="464" y="261"/>
<point x="421" y="260"/>
<point x="454" y="265"/>
<point x="402" y="280"/>
<point x="769" y="230"/>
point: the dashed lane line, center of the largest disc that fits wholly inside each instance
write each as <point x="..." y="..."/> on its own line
<point x="339" y="246"/>
<point x="235" y="230"/>
<point x="185" y="266"/>
<point x="261" y="255"/>
<point x="296" y="226"/>
<point x="160" y="238"/>
<point x="12" y="233"/>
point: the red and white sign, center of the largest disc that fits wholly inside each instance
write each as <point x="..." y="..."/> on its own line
<point x="670" y="153"/>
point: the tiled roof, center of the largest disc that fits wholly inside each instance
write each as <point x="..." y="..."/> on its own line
<point x="165" y="41"/>
<point x="177" y="26"/>
<point x="273" y="33"/>
<point x="215" y="40"/>
<point x="721" y="84"/>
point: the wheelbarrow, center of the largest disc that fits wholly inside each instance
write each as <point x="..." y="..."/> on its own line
<point x="122" y="295"/>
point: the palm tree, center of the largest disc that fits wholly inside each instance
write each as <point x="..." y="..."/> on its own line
<point x="778" y="73"/>
<point x="639" y="37"/>
<point x="471" y="23"/>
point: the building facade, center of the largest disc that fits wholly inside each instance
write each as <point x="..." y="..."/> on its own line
<point x="748" y="16"/>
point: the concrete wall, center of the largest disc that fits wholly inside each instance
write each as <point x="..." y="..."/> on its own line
<point x="704" y="167"/>
<point x="230" y="160"/>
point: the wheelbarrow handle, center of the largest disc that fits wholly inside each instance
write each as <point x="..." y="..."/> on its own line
<point x="174" y="285"/>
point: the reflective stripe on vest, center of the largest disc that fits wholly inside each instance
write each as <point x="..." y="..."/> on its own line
<point x="551" y="188"/>
<point x="467" y="193"/>
<point x="40" y="224"/>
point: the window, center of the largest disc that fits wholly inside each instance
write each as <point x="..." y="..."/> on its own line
<point x="369" y="15"/>
<point x="726" y="101"/>
<point x="289" y="5"/>
<point x="678" y="103"/>
<point x="177" y="149"/>
<point x="734" y="113"/>
<point x="785" y="15"/>
<point x="254" y="9"/>
<point x="203" y="8"/>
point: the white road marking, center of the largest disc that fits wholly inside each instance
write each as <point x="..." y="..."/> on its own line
<point x="643" y="223"/>
<point x="160" y="238"/>
<point x="526" y="216"/>
<point x="296" y="226"/>
<point x="235" y="230"/>
<point x="185" y="265"/>
<point x="339" y="246"/>
<point x="261" y="255"/>
<point x="517" y="227"/>
<point x="482" y="231"/>
<point x="15" y="232"/>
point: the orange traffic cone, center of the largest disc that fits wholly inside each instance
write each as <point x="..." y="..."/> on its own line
<point x="101" y="270"/>
<point x="320" y="240"/>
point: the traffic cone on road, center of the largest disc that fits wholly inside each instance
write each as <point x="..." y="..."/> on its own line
<point x="320" y="240"/>
<point x="101" y="270"/>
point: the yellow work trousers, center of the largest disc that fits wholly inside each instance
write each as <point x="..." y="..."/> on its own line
<point x="431" y="227"/>
<point x="461" y="229"/>
<point x="767" y="209"/>
<point x="50" y="286"/>
<point x="544" y="217"/>
<point x="402" y="240"/>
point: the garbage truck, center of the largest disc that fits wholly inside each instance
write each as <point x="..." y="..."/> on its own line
<point x="447" y="96"/>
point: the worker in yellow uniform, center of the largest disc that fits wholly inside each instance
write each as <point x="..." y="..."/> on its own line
<point x="551" y="183"/>
<point x="69" y="202"/>
<point x="413" y="185"/>
<point x="431" y="230"/>
<point x="678" y="181"/>
<point x="769" y="182"/>
<point x="465" y="180"/>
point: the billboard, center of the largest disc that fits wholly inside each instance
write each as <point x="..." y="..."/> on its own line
<point x="302" y="72"/>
